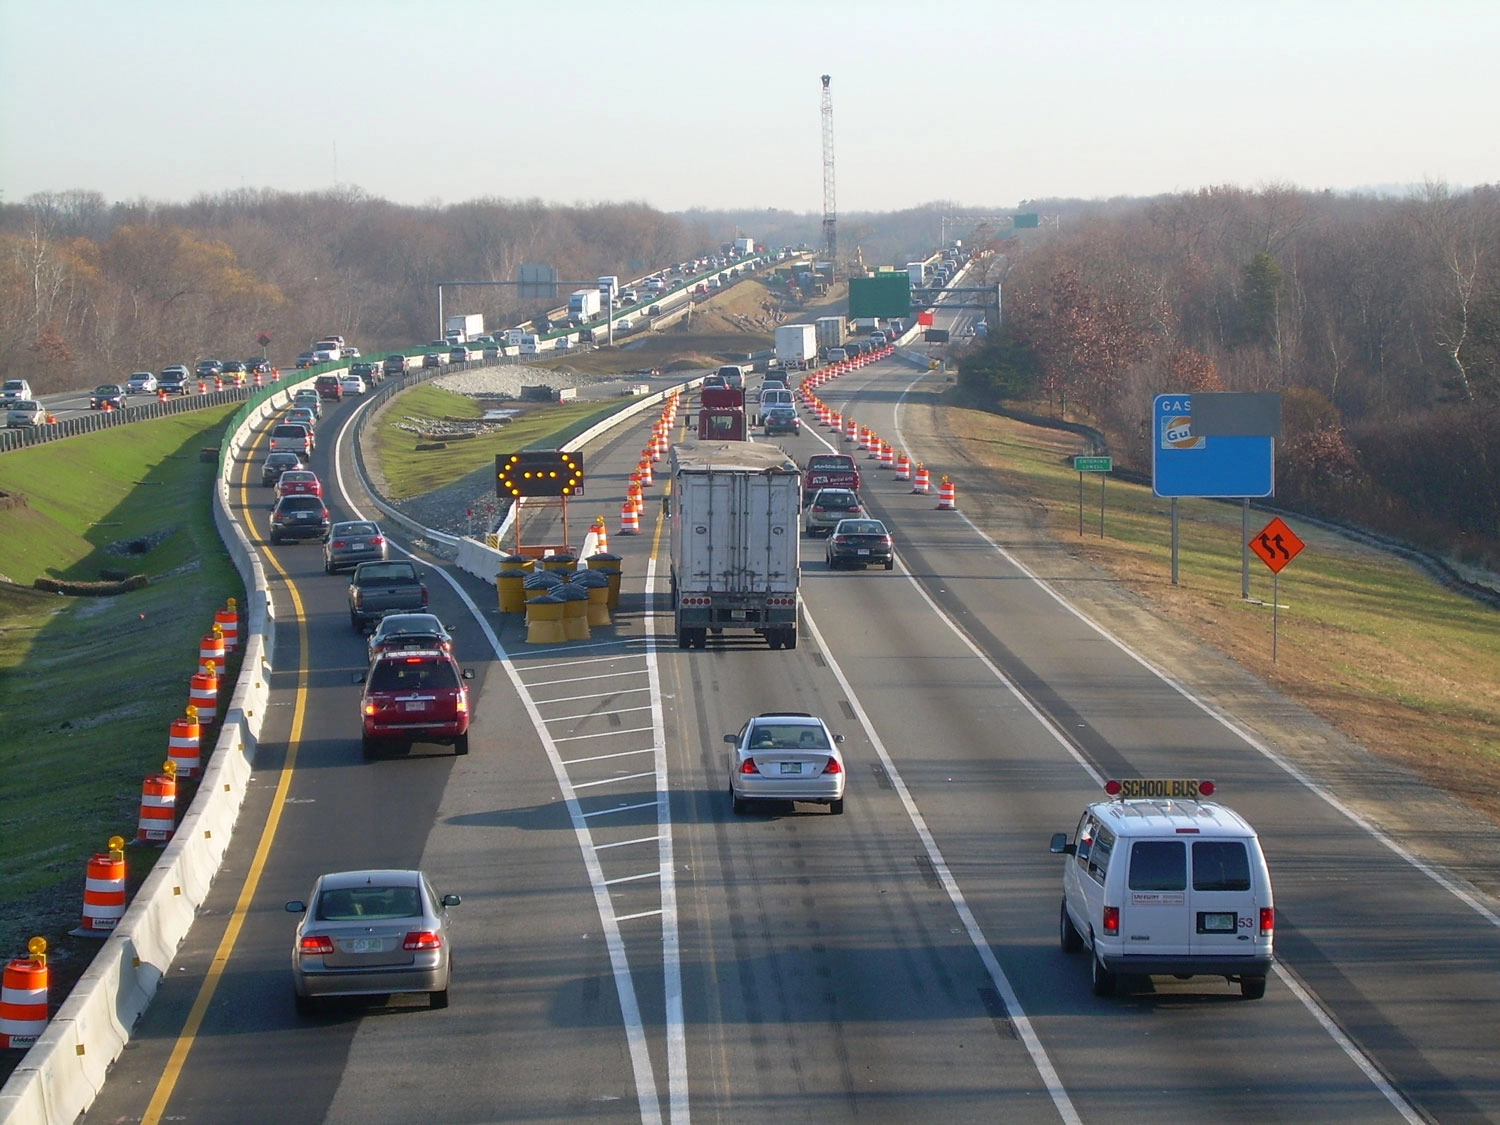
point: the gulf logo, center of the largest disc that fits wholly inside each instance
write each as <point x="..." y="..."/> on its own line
<point x="1177" y="433"/>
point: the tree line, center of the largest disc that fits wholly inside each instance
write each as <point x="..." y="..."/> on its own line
<point x="1377" y="318"/>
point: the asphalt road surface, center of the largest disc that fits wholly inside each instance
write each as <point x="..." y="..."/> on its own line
<point x="629" y="949"/>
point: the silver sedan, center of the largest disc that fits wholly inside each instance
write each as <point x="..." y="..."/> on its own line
<point x="786" y="756"/>
<point x="369" y="933"/>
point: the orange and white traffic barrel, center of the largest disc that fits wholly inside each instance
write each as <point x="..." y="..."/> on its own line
<point x="601" y="536"/>
<point x="921" y="486"/>
<point x="645" y="468"/>
<point x="104" y="890"/>
<point x="630" y="519"/>
<point x="211" y="650"/>
<point x="851" y="427"/>
<point x="202" y="387"/>
<point x="23" y="997"/>
<point x="903" y="466"/>
<point x="227" y="621"/>
<point x="183" y="747"/>
<point x="947" y="494"/>
<point x="203" y="693"/>
<point x="887" y="456"/>
<point x="158" y="819"/>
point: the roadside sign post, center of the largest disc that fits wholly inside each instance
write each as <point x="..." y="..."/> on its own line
<point x="1102" y="466"/>
<point x="1276" y="544"/>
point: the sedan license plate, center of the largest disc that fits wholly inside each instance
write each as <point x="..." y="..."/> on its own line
<point x="357" y="545"/>
<point x="791" y="767"/>
<point x="864" y="550"/>
<point x="1217" y="922"/>
<point x="362" y="945"/>
<point x="414" y="705"/>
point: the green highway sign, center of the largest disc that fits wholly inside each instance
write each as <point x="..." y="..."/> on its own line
<point x="1093" y="464"/>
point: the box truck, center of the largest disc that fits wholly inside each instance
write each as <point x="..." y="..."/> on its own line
<point x="583" y="305"/>
<point x="796" y="345"/>
<point x="735" y="519"/>
<point x="830" y="331"/>
<point x="463" y="327"/>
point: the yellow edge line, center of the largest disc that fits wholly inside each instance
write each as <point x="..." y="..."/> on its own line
<point x="168" y="1081"/>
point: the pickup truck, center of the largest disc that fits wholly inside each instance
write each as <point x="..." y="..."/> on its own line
<point x="829" y="470"/>
<point x="379" y="588"/>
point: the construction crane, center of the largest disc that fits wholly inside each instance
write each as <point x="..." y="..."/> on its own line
<point x="830" y="211"/>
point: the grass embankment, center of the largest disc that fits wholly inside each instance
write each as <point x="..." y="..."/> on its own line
<point x="1365" y="639"/>
<point x="408" y="472"/>
<point x="89" y="686"/>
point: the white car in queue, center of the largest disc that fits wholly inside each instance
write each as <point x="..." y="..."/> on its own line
<point x="786" y="756"/>
<point x="369" y="933"/>
<point x="1160" y="882"/>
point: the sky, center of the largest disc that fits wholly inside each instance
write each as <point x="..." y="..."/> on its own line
<point x="716" y="104"/>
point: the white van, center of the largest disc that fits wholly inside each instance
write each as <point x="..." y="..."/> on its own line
<point x="1161" y="882"/>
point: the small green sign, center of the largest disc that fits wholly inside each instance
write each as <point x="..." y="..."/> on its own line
<point x="1093" y="464"/>
<point x="1022" y="222"/>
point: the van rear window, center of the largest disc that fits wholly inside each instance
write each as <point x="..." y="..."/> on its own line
<point x="1220" y="865"/>
<point x="1158" y="865"/>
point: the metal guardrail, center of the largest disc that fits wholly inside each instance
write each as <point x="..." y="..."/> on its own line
<point x="97" y="420"/>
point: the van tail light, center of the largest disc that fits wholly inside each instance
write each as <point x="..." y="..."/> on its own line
<point x="1267" y="921"/>
<point x="833" y="766"/>
<point x="1112" y="921"/>
<point x="315" y="945"/>
<point x="422" y="939"/>
<point x="749" y="766"/>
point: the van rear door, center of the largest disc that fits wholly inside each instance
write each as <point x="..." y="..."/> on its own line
<point x="1154" y="919"/>
<point x="1223" y="906"/>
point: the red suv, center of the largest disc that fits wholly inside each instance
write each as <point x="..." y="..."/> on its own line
<point x="415" y="696"/>
<point x="329" y="386"/>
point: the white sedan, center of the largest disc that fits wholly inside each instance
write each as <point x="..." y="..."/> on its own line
<point x="786" y="756"/>
<point x="352" y="385"/>
<point x="141" y="383"/>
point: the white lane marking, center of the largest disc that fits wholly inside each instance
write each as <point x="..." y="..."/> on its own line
<point x="606" y="757"/>
<point x="595" y="714"/>
<point x="1355" y="1054"/>
<point x="619" y="809"/>
<point x="632" y="878"/>
<point x="594" y="695"/>
<point x="1018" y="1017"/>
<point x="647" y="1100"/>
<point x="588" y="679"/>
<point x="642" y="914"/>
<point x="597" y="660"/>
<point x="627" y="843"/>
<point x="671" y="942"/>
<point x="602" y="734"/>
<point x="613" y="780"/>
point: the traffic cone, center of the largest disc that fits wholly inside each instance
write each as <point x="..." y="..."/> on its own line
<point x="921" y="486"/>
<point x="183" y="743"/>
<point x="158" y="819"/>
<point x="211" y="650"/>
<point x="630" y="520"/>
<point x="947" y="494"/>
<point x="203" y="693"/>
<point x="903" y="466"/>
<point x="227" y="620"/>
<point x="23" y="997"/>
<point x="104" y="891"/>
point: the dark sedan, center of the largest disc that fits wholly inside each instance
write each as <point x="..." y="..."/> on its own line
<point x="299" y="517"/>
<point x="859" y="543"/>
<point x="107" y="395"/>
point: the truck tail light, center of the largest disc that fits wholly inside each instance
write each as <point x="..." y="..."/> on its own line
<point x="1112" y="921"/>
<point x="424" y="596"/>
<point x="1267" y="921"/>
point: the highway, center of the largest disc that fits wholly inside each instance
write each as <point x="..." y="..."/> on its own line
<point x="628" y="949"/>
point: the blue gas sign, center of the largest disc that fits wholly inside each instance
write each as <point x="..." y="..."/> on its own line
<point x="1185" y="463"/>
